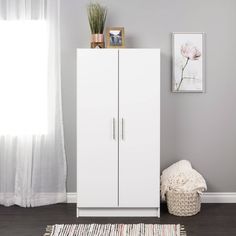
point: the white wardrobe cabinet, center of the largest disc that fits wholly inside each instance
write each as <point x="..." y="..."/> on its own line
<point x="118" y="132"/>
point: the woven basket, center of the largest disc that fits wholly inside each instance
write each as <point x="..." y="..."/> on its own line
<point x="183" y="204"/>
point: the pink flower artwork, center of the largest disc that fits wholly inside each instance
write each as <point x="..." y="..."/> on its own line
<point x="191" y="53"/>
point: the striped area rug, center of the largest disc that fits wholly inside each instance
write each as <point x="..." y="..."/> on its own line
<point x="115" y="230"/>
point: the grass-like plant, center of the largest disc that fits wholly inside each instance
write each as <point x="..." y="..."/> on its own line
<point x="97" y="17"/>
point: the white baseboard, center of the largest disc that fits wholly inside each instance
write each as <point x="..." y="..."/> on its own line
<point x="71" y="197"/>
<point x="221" y="197"/>
<point x="208" y="197"/>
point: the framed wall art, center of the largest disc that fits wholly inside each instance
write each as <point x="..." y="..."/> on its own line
<point x="188" y="58"/>
<point x="115" y="37"/>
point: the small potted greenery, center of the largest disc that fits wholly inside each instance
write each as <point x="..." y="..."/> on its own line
<point x="97" y="17"/>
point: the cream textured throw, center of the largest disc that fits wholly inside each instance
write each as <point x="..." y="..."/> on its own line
<point x="181" y="177"/>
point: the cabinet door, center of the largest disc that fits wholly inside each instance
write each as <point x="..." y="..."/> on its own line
<point x="97" y="122"/>
<point x="139" y="148"/>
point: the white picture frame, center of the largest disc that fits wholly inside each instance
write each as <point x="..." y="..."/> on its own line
<point x="188" y="62"/>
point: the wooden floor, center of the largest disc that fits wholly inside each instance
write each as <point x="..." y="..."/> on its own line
<point x="213" y="220"/>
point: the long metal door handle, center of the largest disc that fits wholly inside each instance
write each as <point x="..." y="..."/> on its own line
<point x="122" y="129"/>
<point x="114" y="129"/>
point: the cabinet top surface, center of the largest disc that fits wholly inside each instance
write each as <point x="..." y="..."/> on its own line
<point x="116" y="49"/>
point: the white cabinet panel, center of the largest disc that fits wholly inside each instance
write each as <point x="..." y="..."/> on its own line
<point x="97" y="132"/>
<point x="118" y="131"/>
<point x="139" y="111"/>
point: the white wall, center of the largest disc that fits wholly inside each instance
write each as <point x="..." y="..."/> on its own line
<point x="198" y="127"/>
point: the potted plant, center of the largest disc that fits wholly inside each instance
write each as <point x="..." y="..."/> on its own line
<point x="97" y="17"/>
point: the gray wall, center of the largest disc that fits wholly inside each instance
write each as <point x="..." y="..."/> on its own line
<point x="197" y="127"/>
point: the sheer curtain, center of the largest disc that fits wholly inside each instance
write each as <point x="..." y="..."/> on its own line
<point x="32" y="156"/>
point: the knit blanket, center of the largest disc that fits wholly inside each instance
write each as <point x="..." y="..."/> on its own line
<point x="181" y="177"/>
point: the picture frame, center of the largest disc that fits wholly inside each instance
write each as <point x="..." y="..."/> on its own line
<point x="115" y="37"/>
<point x="188" y="62"/>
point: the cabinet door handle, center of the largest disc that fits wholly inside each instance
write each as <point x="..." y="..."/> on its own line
<point x="122" y="129"/>
<point x="114" y="129"/>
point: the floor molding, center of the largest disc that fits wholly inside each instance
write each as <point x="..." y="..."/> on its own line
<point x="71" y="197"/>
<point x="219" y="197"/>
<point x="208" y="197"/>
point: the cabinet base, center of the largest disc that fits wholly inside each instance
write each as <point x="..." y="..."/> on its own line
<point x="119" y="212"/>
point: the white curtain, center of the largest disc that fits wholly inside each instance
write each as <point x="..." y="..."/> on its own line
<point x="32" y="160"/>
